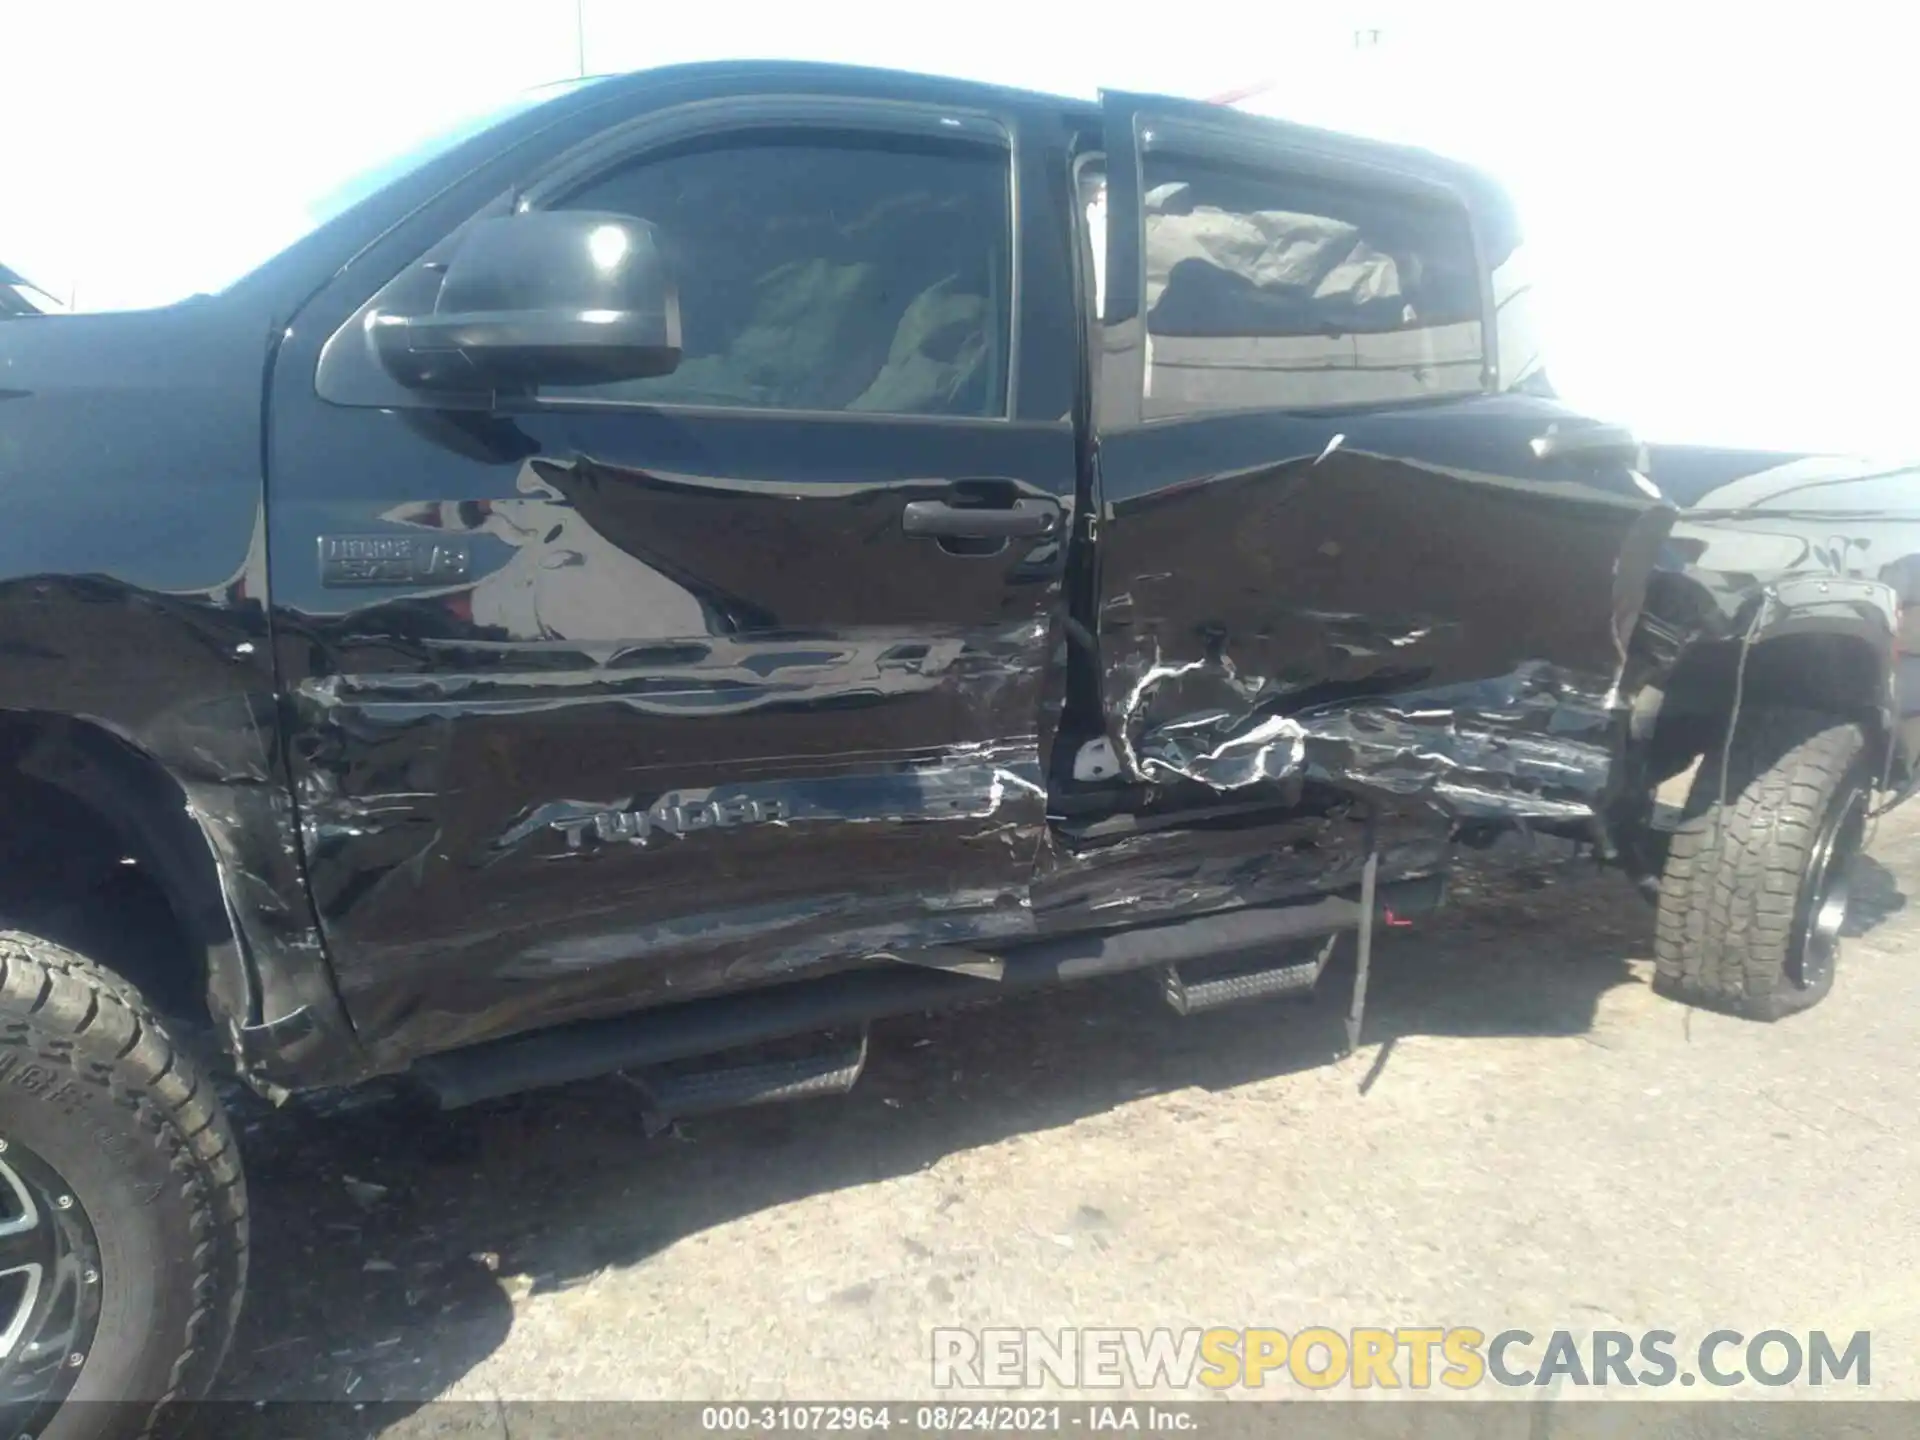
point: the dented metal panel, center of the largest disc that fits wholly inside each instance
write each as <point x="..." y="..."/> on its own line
<point x="1398" y="596"/>
<point x="699" y="709"/>
<point x="1371" y="615"/>
<point x="678" y="731"/>
<point x="1296" y="839"/>
<point x="135" y="636"/>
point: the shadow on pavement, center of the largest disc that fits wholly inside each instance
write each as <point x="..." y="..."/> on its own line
<point x="391" y="1239"/>
<point x="1876" y="896"/>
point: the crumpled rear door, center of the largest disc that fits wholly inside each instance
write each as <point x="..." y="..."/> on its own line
<point x="1336" y="538"/>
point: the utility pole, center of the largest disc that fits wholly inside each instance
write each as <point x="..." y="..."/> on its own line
<point x="580" y="37"/>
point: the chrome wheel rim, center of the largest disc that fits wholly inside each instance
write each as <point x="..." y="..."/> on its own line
<point x="1829" y="891"/>
<point x="50" y="1286"/>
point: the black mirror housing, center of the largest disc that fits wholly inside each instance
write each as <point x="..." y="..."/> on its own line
<point x="559" y="297"/>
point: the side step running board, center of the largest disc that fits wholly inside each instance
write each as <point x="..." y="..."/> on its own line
<point x="1237" y="986"/>
<point x="851" y="998"/>
<point x="674" y="1090"/>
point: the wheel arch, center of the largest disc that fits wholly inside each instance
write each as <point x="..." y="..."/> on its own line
<point x="277" y="1016"/>
<point x="120" y="793"/>
<point x="1824" y="644"/>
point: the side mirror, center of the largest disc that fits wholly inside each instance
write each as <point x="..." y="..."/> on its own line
<point x="559" y="297"/>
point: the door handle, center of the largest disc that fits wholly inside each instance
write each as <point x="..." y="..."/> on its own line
<point x="937" y="517"/>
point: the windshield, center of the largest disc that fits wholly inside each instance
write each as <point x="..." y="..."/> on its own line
<point x="236" y="229"/>
<point x="342" y="196"/>
<point x="20" y="296"/>
<point x="339" y="196"/>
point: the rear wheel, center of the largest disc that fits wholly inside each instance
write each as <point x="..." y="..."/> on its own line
<point x="122" y="1207"/>
<point x="1755" y="891"/>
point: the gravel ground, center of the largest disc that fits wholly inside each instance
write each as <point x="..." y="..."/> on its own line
<point x="1528" y="1137"/>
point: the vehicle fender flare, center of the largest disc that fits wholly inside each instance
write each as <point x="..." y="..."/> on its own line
<point x="287" y="1030"/>
<point x="1864" y="612"/>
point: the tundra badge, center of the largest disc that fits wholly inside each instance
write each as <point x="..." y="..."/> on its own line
<point x="347" y="560"/>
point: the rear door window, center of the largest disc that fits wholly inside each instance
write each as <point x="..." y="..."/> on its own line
<point x="1266" y="291"/>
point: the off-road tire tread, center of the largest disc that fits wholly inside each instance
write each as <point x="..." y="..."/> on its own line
<point x="1729" y="892"/>
<point x="69" y="1012"/>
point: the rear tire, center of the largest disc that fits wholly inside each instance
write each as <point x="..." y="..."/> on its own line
<point x="111" y="1133"/>
<point x="1754" y="893"/>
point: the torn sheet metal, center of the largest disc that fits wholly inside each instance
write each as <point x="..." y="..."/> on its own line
<point x="1395" y="603"/>
<point x="1272" y="687"/>
<point x="1544" y="754"/>
<point x="1207" y="746"/>
<point x="1533" y="744"/>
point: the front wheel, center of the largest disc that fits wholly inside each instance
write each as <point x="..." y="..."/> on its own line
<point x="122" y="1206"/>
<point x="1755" y="890"/>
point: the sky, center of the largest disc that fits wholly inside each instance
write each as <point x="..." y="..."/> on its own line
<point x="1720" y="198"/>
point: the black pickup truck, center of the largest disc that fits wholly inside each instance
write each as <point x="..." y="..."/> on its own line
<point x="714" y="557"/>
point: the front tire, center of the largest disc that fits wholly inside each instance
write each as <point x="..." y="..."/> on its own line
<point x="1754" y="892"/>
<point x="119" y="1154"/>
